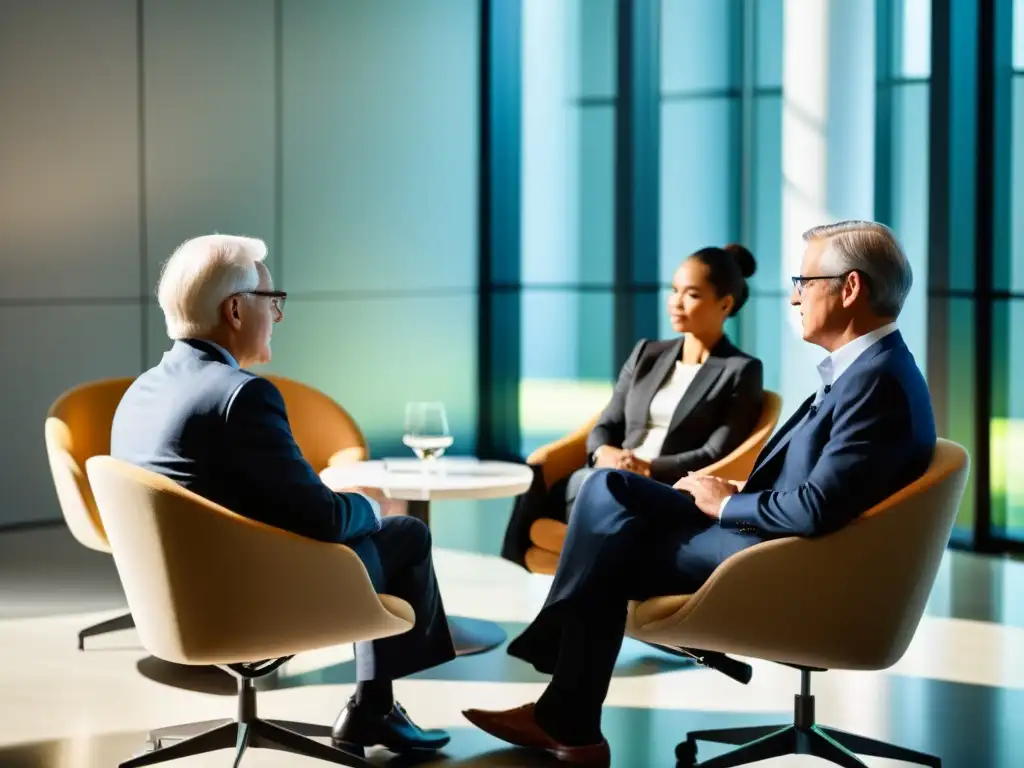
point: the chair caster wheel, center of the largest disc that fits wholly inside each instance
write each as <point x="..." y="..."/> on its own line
<point x="686" y="754"/>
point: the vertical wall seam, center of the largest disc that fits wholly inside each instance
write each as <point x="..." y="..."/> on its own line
<point x="144" y="286"/>
<point x="279" y="139"/>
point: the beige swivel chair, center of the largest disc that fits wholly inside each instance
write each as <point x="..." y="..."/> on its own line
<point x="561" y="458"/>
<point x="324" y="431"/>
<point x="207" y="586"/>
<point x="848" y="600"/>
<point x="78" y="427"/>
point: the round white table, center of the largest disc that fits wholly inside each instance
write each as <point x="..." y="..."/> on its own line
<point x="419" y="483"/>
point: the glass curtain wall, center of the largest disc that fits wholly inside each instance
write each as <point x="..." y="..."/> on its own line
<point x="776" y="116"/>
<point x="1006" y="482"/>
<point x="773" y="116"/>
<point x="567" y="203"/>
<point x="701" y="133"/>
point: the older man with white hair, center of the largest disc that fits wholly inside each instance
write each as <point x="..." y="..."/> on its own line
<point x="867" y="432"/>
<point x="200" y="418"/>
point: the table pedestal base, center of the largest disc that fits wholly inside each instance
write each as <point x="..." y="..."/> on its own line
<point x="418" y="509"/>
<point x="470" y="636"/>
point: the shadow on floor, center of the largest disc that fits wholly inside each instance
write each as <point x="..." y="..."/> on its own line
<point x="968" y="726"/>
<point x="636" y="659"/>
<point x="638" y="737"/>
<point x="106" y="750"/>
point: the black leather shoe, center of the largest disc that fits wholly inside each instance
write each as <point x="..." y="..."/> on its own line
<point x="395" y="731"/>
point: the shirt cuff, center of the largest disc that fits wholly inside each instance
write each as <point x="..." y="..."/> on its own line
<point x="373" y="505"/>
<point x="721" y="507"/>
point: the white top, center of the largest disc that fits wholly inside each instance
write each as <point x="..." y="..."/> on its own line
<point x="663" y="407"/>
<point x="836" y="364"/>
<point x="408" y="479"/>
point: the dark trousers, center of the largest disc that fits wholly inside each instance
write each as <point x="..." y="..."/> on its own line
<point x="629" y="538"/>
<point x="404" y="547"/>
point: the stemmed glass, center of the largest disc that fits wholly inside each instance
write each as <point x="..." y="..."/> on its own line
<point x="426" y="431"/>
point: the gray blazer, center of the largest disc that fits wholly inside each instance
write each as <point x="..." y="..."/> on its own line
<point x="718" y="411"/>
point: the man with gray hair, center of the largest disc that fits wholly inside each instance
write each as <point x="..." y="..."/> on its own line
<point x="867" y="432"/>
<point x="859" y="258"/>
<point x="201" y="419"/>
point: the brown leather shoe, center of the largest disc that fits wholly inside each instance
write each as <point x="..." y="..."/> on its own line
<point x="519" y="727"/>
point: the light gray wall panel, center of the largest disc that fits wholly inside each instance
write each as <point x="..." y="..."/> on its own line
<point x="156" y="334"/>
<point x="210" y="105"/>
<point x="380" y="192"/>
<point x="69" y="165"/>
<point x="374" y="355"/>
<point x="380" y="144"/>
<point x="50" y="350"/>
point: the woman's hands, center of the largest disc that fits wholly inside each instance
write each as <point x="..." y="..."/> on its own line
<point x="610" y="457"/>
<point x="634" y="463"/>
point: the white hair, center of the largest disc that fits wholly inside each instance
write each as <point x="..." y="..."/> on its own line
<point x="200" y="274"/>
<point x="873" y="250"/>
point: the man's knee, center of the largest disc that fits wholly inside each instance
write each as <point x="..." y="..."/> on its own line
<point x="602" y="486"/>
<point x="411" y="534"/>
<point x="602" y="482"/>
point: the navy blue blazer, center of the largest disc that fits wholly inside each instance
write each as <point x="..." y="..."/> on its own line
<point x="223" y="433"/>
<point x="872" y="434"/>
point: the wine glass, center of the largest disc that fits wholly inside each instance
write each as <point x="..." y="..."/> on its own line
<point x="426" y="430"/>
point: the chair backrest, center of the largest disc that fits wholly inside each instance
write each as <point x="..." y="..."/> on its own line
<point x="325" y="432"/>
<point x="562" y="457"/>
<point x="849" y="600"/>
<point x="207" y="586"/>
<point x="740" y="461"/>
<point x="78" y="427"/>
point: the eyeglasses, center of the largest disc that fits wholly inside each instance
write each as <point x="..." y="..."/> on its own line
<point x="799" y="280"/>
<point x="277" y="298"/>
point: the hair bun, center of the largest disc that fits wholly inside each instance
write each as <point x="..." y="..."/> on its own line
<point x="744" y="258"/>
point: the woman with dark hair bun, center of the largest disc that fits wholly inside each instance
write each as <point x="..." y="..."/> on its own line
<point x="679" y="405"/>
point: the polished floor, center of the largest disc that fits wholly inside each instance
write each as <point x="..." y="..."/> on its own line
<point x="958" y="692"/>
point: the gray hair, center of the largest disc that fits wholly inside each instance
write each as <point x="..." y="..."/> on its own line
<point x="873" y="250"/>
<point x="200" y="275"/>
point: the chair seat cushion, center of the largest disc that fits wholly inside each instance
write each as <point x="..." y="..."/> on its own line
<point x="656" y="609"/>
<point x="541" y="561"/>
<point x="548" y="534"/>
<point x="396" y="606"/>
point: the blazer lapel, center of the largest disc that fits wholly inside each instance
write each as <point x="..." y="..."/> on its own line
<point x="708" y="373"/>
<point x="660" y="371"/>
<point x="782" y="437"/>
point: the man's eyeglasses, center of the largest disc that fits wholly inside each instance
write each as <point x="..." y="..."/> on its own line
<point x="800" y="280"/>
<point x="277" y="298"/>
